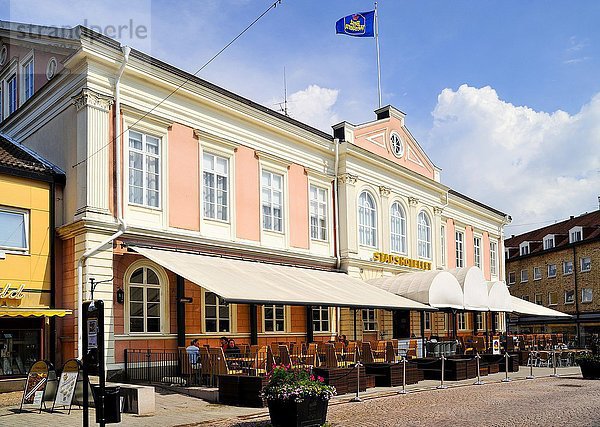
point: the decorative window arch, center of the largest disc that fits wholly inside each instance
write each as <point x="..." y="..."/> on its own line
<point x="423" y="235"/>
<point x="398" y="228"/>
<point x="367" y="220"/>
<point x="146" y="299"/>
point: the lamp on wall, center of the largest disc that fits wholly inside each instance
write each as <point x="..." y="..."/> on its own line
<point x="120" y="295"/>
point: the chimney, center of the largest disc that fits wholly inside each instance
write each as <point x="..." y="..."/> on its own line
<point x="572" y="217"/>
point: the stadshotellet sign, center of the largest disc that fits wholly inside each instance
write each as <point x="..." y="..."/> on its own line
<point x="401" y="261"/>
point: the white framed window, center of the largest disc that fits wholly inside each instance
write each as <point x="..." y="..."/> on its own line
<point x="587" y="294"/>
<point x="460" y="248"/>
<point x="369" y="317"/>
<point x="524" y="248"/>
<point x="500" y="319"/>
<point x="552" y="298"/>
<point x="320" y="319"/>
<point x="462" y="321"/>
<point x="539" y="299"/>
<point x="11" y="94"/>
<point x="27" y="78"/>
<point x="585" y="264"/>
<point x="569" y="297"/>
<point x="215" y="187"/>
<point x="511" y="278"/>
<point x="145" y="301"/>
<point x="477" y="251"/>
<point x="274" y="318"/>
<point x="217" y="313"/>
<point x="443" y="245"/>
<point x="367" y="220"/>
<point x="567" y="267"/>
<point x="524" y="276"/>
<point x="144" y="169"/>
<point x="423" y="235"/>
<point x="493" y="258"/>
<point x="14" y="230"/>
<point x="537" y="273"/>
<point x="272" y="201"/>
<point x="575" y="234"/>
<point x="479" y="319"/>
<point x="318" y="213"/>
<point x="428" y="320"/>
<point x="551" y="270"/>
<point x="549" y="241"/>
<point x="398" y="228"/>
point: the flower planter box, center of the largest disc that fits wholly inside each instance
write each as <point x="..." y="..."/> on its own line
<point x="344" y="379"/>
<point x="590" y="369"/>
<point x="306" y="413"/>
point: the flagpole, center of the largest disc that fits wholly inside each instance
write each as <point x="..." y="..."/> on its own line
<point x="378" y="61"/>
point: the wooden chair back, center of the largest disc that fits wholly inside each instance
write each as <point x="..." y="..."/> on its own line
<point x="367" y="353"/>
<point x="390" y="352"/>
<point x="184" y="362"/>
<point x="284" y="355"/>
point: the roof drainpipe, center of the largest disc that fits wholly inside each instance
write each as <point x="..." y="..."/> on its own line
<point x="119" y="208"/>
<point x="336" y="205"/>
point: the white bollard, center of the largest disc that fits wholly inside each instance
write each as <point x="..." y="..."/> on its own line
<point x="442" y="386"/>
<point x="530" y="376"/>
<point x="555" y="375"/>
<point x="506" y="378"/>
<point x="478" y="382"/>
<point x="404" y="362"/>
<point x="357" y="397"/>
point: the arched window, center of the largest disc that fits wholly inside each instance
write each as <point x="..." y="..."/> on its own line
<point x="398" y="228"/>
<point x="424" y="235"/>
<point x="367" y="220"/>
<point x="144" y="292"/>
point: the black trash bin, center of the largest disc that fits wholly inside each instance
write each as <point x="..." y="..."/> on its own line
<point x="112" y="404"/>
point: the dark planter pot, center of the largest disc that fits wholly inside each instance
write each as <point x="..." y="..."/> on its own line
<point x="590" y="369"/>
<point x="288" y="413"/>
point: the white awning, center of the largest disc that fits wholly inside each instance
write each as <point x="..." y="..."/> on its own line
<point x="473" y="286"/>
<point x="499" y="298"/>
<point x="249" y="282"/>
<point x="437" y="288"/>
<point x="521" y="306"/>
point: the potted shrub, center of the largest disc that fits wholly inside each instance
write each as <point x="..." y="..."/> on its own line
<point x="590" y="366"/>
<point x="296" y="397"/>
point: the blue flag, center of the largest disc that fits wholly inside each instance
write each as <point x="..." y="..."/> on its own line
<point x="358" y="24"/>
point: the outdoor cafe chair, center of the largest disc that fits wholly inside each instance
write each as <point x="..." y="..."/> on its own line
<point x="544" y="359"/>
<point x="189" y="371"/>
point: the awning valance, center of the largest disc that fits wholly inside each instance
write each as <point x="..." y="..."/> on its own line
<point x="499" y="298"/>
<point x="239" y="281"/>
<point x="437" y="288"/>
<point x="474" y="288"/>
<point x="33" y="312"/>
<point x="521" y="306"/>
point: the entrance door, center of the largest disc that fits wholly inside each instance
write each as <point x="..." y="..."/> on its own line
<point x="401" y="324"/>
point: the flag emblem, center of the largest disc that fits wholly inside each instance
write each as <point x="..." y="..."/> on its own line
<point x="357" y="24"/>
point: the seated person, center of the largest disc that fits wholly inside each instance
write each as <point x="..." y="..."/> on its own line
<point x="193" y="352"/>
<point x="232" y="348"/>
<point x="224" y="343"/>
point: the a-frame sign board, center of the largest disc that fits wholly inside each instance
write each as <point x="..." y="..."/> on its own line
<point x="40" y="385"/>
<point x="69" y="380"/>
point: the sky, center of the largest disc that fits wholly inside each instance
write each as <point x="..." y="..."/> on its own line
<point x="504" y="96"/>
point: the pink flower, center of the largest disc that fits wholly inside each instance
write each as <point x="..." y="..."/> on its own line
<point x="321" y="379"/>
<point x="312" y="377"/>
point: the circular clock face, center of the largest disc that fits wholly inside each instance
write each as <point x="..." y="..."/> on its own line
<point x="51" y="68"/>
<point x="396" y="145"/>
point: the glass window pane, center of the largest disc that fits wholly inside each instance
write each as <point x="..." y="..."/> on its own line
<point x="153" y="295"/>
<point x="277" y="182"/>
<point x="223" y="312"/>
<point x="12" y="230"/>
<point x="136" y="309"/>
<point x="136" y="324"/>
<point x="211" y="311"/>
<point x="151" y="277"/>
<point x="137" y="276"/>
<point x="153" y="325"/>
<point x="223" y="325"/>
<point x="136" y="294"/>
<point x="268" y="312"/>
<point x="210" y="298"/>
<point x="266" y="179"/>
<point x="153" y="310"/>
<point x="152" y="144"/>
<point x="221" y="165"/>
<point x="211" y="325"/>
<point x="135" y="140"/>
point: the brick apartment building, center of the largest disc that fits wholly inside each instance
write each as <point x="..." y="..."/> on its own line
<point x="558" y="266"/>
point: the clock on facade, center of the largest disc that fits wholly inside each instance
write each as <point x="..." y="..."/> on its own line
<point x="396" y="145"/>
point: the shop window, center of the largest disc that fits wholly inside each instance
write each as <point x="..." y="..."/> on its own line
<point x="320" y="318"/>
<point x="551" y="270"/>
<point x="569" y="297"/>
<point x="19" y="347"/>
<point x="537" y="273"/>
<point x="586" y="264"/>
<point x="272" y="201"/>
<point x="567" y="267"/>
<point x="552" y="298"/>
<point x="511" y="278"/>
<point x="144" y="169"/>
<point x="398" y="228"/>
<point x="369" y="317"/>
<point x="318" y="213"/>
<point x="539" y="299"/>
<point x="477" y="251"/>
<point x="14" y="230"/>
<point x="145" y="301"/>
<point x="424" y="235"/>
<point x="586" y="295"/>
<point x="367" y="220"/>
<point x="217" y="315"/>
<point x="460" y="248"/>
<point x="215" y="187"/>
<point x="493" y="258"/>
<point x="524" y="276"/>
<point x="274" y="318"/>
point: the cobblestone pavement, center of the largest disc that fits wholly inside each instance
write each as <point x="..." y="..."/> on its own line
<point x="564" y="401"/>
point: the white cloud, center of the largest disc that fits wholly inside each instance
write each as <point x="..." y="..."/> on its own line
<point x="533" y="165"/>
<point x="314" y="106"/>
